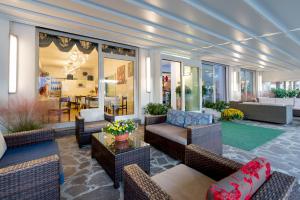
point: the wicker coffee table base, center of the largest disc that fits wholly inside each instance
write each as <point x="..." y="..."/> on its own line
<point x="113" y="164"/>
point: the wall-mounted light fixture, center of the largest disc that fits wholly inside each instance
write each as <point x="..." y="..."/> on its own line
<point x="234" y="81"/>
<point x="13" y="63"/>
<point x="148" y="75"/>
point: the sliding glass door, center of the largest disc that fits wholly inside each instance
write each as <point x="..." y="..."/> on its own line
<point x="213" y="82"/>
<point x="119" y="87"/>
<point x="192" y="90"/>
<point x="247" y="84"/>
<point x="171" y="84"/>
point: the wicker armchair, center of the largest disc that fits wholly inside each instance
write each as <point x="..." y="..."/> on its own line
<point x="33" y="179"/>
<point x="207" y="136"/>
<point x="138" y="185"/>
<point x="84" y="130"/>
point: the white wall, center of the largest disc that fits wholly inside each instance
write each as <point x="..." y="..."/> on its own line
<point x="27" y="70"/>
<point x="4" y="59"/>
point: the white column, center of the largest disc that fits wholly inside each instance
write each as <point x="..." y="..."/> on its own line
<point x="144" y="96"/>
<point x="4" y="60"/>
<point x="156" y="74"/>
<point x="234" y="84"/>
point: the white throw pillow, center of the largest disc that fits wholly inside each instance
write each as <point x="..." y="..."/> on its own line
<point x="3" y="146"/>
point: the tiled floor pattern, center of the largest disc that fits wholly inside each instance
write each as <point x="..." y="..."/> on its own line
<point x="85" y="179"/>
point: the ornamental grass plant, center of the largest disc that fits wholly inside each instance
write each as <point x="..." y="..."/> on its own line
<point x="23" y="115"/>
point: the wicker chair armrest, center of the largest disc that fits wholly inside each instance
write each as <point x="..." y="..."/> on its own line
<point x="195" y="131"/>
<point x="28" y="176"/>
<point x="138" y="185"/>
<point x="28" y="137"/>
<point x="279" y="186"/>
<point x="155" y="119"/>
<point x="209" y="163"/>
<point x="79" y="124"/>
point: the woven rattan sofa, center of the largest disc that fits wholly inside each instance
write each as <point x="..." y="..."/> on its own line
<point x="280" y="114"/>
<point x="29" y="169"/>
<point x="172" y="139"/>
<point x="185" y="181"/>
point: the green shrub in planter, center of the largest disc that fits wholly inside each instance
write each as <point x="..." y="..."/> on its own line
<point x="279" y="92"/>
<point x="156" y="109"/>
<point x="219" y="105"/>
<point x="292" y="93"/>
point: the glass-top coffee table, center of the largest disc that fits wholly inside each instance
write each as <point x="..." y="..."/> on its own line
<point x="113" y="156"/>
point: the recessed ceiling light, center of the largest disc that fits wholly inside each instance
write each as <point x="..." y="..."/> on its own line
<point x="260" y="66"/>
<point x="263" y="57"/>
<point x="207" y="47"/>
<point x="262" y="62"/>
<point x="236" y="60"/>
<point x="236" y="55"/>
<point x="237" y="47"/>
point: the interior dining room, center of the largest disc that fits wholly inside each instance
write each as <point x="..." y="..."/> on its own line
<point x="68" y="76"/>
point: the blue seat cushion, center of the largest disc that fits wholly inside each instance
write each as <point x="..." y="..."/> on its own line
<point x="176" y="117"/>
<point x="30" y="152"/>
<point x="197" y="118"/>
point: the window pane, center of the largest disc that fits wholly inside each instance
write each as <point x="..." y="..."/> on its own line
<point x="220" y="82"/>
<point x="247" y="84"/>
<point x="68" y="76"/>
<point x="192" y="96"/>
<point x="119" y="87"/>
<point x="171" y="84"/>
<point x="207" y="82"/>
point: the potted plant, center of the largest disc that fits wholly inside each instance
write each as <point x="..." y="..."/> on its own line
<point x="120" y="129"/>
<point x="156" y="109"/>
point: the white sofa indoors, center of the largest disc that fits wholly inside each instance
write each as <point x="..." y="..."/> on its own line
<point x="295" y="102"/>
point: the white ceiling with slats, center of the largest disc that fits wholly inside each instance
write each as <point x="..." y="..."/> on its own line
<point x="258" y="34"/>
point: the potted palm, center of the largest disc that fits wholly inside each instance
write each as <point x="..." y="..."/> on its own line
<point x="120" y="129"/>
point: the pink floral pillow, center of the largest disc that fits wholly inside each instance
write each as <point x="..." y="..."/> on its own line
<point x="243" y="183"/>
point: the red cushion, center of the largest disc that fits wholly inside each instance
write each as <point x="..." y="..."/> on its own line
<point x="243" y="183"/>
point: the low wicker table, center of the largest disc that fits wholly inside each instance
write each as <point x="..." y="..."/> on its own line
<point x="113" y="156"/>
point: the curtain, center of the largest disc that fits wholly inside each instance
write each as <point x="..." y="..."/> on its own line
<point x="65" y="44"/>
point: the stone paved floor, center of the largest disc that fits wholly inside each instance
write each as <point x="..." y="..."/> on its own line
<point x="85" y="179"/>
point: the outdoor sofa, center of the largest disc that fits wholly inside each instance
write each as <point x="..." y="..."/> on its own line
<point x="295" y="102"/>
<point x="280" y="114"/>
<point x="172" y="139"/>
<point x="30" y="167"/>
<point x="193" y="180"/>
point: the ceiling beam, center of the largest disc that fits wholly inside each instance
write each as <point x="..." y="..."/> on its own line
<point x="231" y="51"/>
<point x="271" y="18"/>
<point x="166" y="14"/>
<point x="202" y="8"/>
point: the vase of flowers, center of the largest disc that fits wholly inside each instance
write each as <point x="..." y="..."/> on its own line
<point x="121" y="129"/>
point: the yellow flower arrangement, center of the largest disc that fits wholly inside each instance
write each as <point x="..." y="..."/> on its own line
<point x="231" y="114"/>
<point x="120" y="127"/>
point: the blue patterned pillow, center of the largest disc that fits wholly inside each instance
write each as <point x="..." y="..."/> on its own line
<point x="194" y="118"/>
<point x="176" y="117"/>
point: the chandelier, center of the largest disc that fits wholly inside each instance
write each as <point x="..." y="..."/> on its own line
<point x="76" y="59"/>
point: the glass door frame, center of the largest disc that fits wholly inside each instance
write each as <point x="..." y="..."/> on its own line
<point x="101" y="56"/>
<point x="183" y="62"/>
<point x="104" y="55"/>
